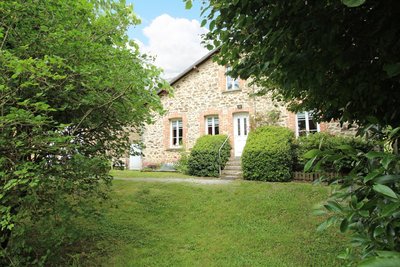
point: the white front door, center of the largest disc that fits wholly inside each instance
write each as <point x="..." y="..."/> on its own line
<point x="135" y="162"/>
<point x="241" y="130"/>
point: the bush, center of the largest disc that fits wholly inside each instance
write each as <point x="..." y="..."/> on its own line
<point x="325" y="141"/>
<point x="182" y="164"/>
<point x="204" y="160"/>
<point x="268" y="154"/>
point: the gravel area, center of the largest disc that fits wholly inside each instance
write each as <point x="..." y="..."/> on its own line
<point x="177" y="180"/>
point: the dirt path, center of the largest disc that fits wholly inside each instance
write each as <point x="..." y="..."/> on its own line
<point x="177" y="180"/>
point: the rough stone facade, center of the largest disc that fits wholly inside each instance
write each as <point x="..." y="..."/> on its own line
<point x="202" y="92"/>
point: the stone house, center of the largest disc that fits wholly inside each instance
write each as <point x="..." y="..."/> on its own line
<point x="207" y="101"/>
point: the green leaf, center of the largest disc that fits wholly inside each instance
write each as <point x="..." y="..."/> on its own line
<point x="387" y="179"/>
<point x="353" y="3"/>
<point x="344" y="225"/>
<point x="203" y="23"/>
<point x="392" y="69"/>
<point x="390" y="208"/>
<point x="210" y="47"/>
<point x="309" y="164"/>
<point x="372" y="175"/>
<point x="345" y="147"/>
<point x="375" y="154"/>
<point x="380" y="262"/>
<point x="188" y="4"/>
<point x="312" y="153"/>
<point x="385" y="190"/>
<point x="333" y="206"/>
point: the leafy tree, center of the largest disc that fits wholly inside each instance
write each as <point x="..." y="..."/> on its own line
<point x="71" y="90"/>
<point x="342" y="62"/>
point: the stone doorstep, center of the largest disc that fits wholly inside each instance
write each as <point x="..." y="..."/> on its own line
<point x="231" y="172"/>
<point x="233" y="167"/>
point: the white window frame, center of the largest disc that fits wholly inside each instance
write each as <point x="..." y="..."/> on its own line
<point x="212" y="117"/>
<point x="307" y="118"/>
<point x="176" y="122"/>
<point x="230" y="80"/>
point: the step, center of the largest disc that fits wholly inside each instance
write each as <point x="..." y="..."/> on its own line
<point x="232" y="172"/>
<point x="230" y="163"/>
<point x="233" y="167"/>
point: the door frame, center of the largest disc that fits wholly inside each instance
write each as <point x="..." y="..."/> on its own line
<point x="243" y="114"/>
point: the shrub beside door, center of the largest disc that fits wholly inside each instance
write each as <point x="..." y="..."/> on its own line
<point x="268" y="154"/>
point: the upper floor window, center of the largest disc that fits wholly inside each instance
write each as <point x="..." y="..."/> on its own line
<point x="176" y="133"/>
<point x="212" y="125"/>
<point x="231" y="83"/>
<point x="305" y="124"/>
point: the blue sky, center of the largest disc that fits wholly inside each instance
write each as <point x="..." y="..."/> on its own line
<point x="148" y="10"/>
<point x="169" y="32"/>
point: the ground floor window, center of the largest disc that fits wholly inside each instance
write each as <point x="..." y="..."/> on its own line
<point x="305" y="123"/>
<point x="212" y="123"/>
<point x="176" y="133"/>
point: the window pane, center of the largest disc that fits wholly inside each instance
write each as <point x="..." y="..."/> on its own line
<point x="238" y="123"/>
<point x="245" y="126"/>
<point x="209" y="121"/>
<point x="229" y="83"/>
<point x="301" y="116"/>
<point x="209" y="131"/>
<point x="177" y="132"/>
<point x="216" y="129"/>
<point x="302" y="125"/>
<point x="236" y="84"/>
<point x="312" y="125"/>
<point x="174" y="135"/>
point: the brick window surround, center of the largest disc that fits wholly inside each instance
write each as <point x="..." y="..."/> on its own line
<point x="167" y="130"/>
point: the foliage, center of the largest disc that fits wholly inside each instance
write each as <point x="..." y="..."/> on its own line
<point x="340" y="60"/>
<point x="268" y="118"/>
<point x="268" y="154"/>
<point x="182" y="165"/>
<point x="204" y="158"/>
<point x="325" y="141"/>
<point x="70" y="91"/>
<point x="366" y="201"/>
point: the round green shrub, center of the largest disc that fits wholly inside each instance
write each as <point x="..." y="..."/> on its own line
<point x="268" y="154"/>
<point x="204" y="160"/>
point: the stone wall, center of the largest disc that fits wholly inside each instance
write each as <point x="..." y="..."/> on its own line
<point x="200" y="93"/>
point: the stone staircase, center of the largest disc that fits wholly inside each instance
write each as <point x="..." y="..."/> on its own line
<point x="233" y="170"/>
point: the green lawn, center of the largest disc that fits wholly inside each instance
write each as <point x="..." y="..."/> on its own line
<point x="140" y="174"/>
<point x="239" y="224"/>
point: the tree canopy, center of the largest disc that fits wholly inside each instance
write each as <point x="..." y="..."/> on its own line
<point x="71" y="90"/>
<point x="340" y="60"/>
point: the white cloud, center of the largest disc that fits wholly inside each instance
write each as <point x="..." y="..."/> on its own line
<point x="175" y="43"/>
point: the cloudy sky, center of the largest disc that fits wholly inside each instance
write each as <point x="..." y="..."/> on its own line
<point x="170" y="33"/>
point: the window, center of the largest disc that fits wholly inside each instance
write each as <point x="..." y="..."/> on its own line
<point x="231" y="83"/>
<point x="305" y="124"/>
<point x="212" y="125"/>
<point x="176" y="133"/>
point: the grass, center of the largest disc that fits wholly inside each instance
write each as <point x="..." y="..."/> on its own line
<point x="239" y="224"/>
<point x="140" y="174"/>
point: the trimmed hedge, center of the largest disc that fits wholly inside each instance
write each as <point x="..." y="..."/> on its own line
<point x="268" y="154"/>
<point x="203" y="159"/>
<point x="325" y="141"/>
